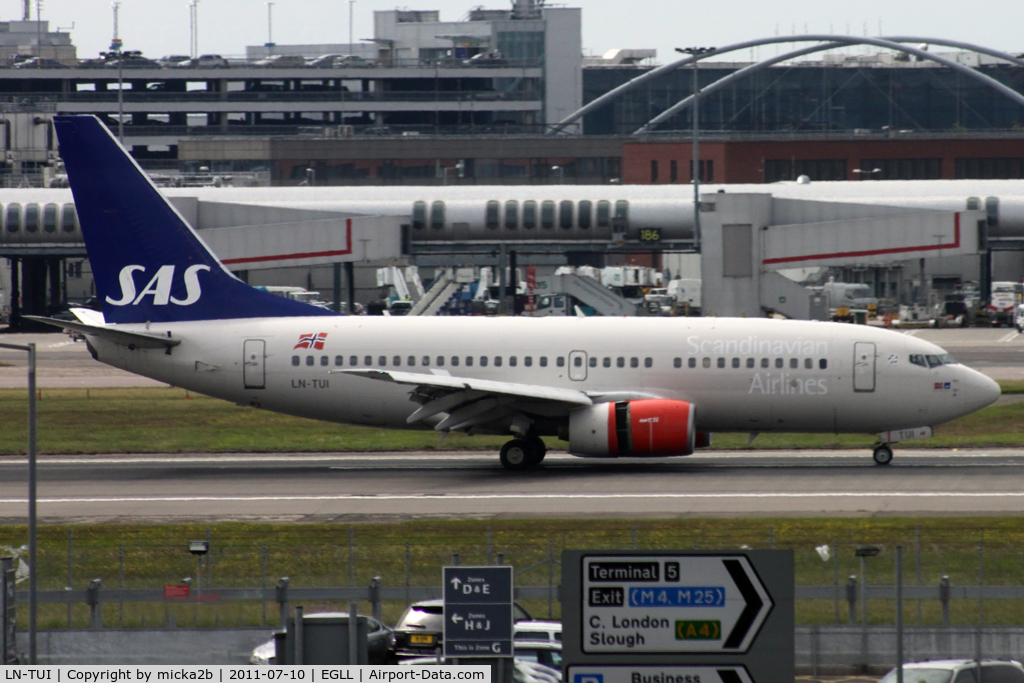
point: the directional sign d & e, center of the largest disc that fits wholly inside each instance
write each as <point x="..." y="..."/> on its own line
<point x="671" y="603"/>
<point x="478" y="611"/>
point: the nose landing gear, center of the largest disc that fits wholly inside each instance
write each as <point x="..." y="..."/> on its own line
<point x="882" y="454"/>
<point x="523" y="454"/>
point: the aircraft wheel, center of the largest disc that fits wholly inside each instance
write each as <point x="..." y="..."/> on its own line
<point x="517" y="454"/>
<point x="540" y="449"/>
<point x="882" y="455"/>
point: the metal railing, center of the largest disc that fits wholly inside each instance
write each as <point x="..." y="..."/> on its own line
<point x="204" y="96"/>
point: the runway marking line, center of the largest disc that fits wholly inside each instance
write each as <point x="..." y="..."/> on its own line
<point x="1009" y="337"/>
<point x="523" y="496"/>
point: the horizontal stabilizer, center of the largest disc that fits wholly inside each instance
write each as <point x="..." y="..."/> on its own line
<point x="138" y="340"/>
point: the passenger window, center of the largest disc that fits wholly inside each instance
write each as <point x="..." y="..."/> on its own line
<point x="382" y="360"/>
<point x="706" y="362"/>
<point x="491" y="216"/>
<point x="512" y="361"/>
<point x="419" y="215"/>
<point x="648" y="362"/>
<point x="529" y="215"/>
<point x="593" y="362"/>
<point x="310" y="361"/>
<point x="578" y="362"/>
<point x="425" y="361"/>
<point x="437" y="216"/>
<point x="794" y="363"/>
<point x="721" y="363"/>
<point x="560" y="362"/>
<point x="339" y="360"/>
<point x="808" y="364"/>
<point x="565" y="215"/>
<point x="469" y="361"/>
<point x="750" y="363"/>
<point x="691" y="363"/>
<point x="918" y="359"/>
<point x="604" y="210"/>
<point x="586" y="206"/>
<point x="547" y="214"/>
<point x="325" y="361"/>
<point x="353" y="360"/>
<point x="440" y="361"/>
<point x="735" y="363"/>
<point x="31" y="218"/>
<point x="67" y="218"/>
<point x="411" y="361"/>
<point x="511" y="214"/>
<point x="764" y="362"/>
<point x="50" y="218"/>
<point x="497" y="361"/>
<point x="621" y="220"/>
<point x="823" y="364"/>
<point x="620" y="362"/>
<point x="634" y="362"/>
<point x="455" y="361"/>
<point x="483" y="362"/>
<point x="543" y="361"/>
<point x="367" y="360"/>
<point x="973" y="203"/>
<point x="607" y="362"/>
<point x="779" y="363"/>
<point x="528" y="361"/>
<point x="13" y="217"/>
<point x="295" y="360"/>
<point x="396" y="361"/>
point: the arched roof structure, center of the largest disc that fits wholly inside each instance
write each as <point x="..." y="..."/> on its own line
<point x="893" y="43"/>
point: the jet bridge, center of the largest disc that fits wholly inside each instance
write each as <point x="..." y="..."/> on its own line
<point x="747" y="238"/>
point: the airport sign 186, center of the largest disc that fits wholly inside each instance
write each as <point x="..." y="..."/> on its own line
<point x="671" y="603"/>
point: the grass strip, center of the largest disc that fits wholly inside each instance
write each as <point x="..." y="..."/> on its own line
<point x="169" y="420"/>
<point x="317" y="555"/>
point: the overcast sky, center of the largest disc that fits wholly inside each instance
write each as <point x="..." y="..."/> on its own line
<point x="160" y="27"/>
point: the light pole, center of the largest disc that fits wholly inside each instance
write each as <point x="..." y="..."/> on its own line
<point x="118" y="54"/>
<point x="696" y="53"/>
<point x="350" y="3"/>
<point x="32" y="573"/>
<point x="864" y="552"/>
<point x="270" y="28"/>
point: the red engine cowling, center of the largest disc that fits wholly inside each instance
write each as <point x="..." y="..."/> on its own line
<point x="644" y="427"/>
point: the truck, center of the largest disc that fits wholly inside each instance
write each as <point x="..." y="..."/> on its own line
<point x="1006" y="296"/>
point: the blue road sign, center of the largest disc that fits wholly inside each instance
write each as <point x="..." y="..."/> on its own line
<point x="477" y="612"/>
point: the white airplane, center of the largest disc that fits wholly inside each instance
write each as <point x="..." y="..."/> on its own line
<point x="611" y="387"/>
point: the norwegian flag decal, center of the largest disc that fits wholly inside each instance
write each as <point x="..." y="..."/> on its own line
<point x="312" y="341"/>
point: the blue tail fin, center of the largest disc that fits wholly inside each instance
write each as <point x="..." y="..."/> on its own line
<point x="149" y="265"/>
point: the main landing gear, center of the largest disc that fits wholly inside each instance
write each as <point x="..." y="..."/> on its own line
<point x="882" y="454"/>
<point x="523" y="454"/>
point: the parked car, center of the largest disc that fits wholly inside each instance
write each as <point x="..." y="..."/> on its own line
<point x="537" y="630"/>
<point x="492" y="58"/>
<point x="175" y="61"/>
<point x="324" y="61"/>
<point x="281" y="62"/>
<point x="378" y="641"/>
<point x="210" y="62"/>
<point x="418" y="631"/>
<point x="39" y="63"/>
<point x="960" y="671"/>
<point x="548" y="654"/>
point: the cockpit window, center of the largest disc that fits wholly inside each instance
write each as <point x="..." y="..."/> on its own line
<point x="932" y="361"/>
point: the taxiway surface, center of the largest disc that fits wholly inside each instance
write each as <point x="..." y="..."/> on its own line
<point x="329" y="487"/>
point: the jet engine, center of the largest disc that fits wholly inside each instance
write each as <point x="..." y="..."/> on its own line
<point x="646" y="427"/>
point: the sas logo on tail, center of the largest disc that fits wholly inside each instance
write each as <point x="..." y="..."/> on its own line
<point x="311" y="341"/>
<point x="159" y="287"/>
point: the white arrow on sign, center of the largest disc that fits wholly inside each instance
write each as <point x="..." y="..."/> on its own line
<point x="456" y="583"/>
<point x="456" y="618"/>
<point x="671" y="603"/>
<point x="605" y="673"/>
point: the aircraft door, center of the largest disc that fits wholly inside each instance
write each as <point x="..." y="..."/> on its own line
<point x="578" y="365"/>
<point x="253" y="368"/>
<point x="863" y="366"/>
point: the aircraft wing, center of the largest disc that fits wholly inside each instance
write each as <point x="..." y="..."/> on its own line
<point x="139" y="340"/>
<point x="466" y="402"/>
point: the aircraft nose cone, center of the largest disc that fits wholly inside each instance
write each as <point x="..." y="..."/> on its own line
<point x="984" y="390"/>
